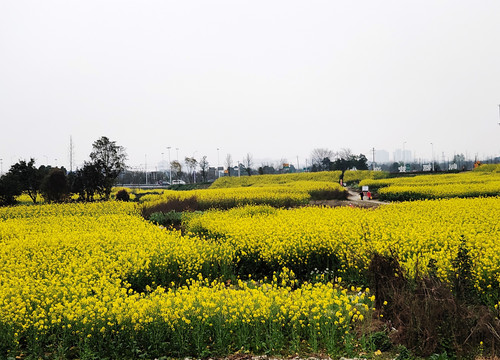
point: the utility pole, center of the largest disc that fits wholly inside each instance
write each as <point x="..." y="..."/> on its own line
<point x="218" y="163"/>
<point x="70" y="154"/>
<point x="373" y="158"/>
<point x="169" y="165"/>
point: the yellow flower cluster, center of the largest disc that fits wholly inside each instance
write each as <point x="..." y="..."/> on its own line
<point x="470" y="184"/>
<point x="323" y="176"/>
<point x="417" y="232"/>
<point x="278" y="195"/>
<point x="75" y="271"/>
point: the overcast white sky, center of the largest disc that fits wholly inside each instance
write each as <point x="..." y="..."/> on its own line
<point x="272" y="78"/>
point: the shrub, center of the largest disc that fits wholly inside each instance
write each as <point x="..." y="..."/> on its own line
<point x="380" y="341"/>
<point x="328" y="194"/>
<point x="169" y="219"/>
<point x="428" y="316"/>
<point x="173" y="204"/>
<point x="122" y="195"/>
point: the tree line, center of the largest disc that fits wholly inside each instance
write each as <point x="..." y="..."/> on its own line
<point x="55" y="184"/>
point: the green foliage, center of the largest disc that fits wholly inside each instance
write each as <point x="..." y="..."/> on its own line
<point x="461" y="277"/>
<point x="109" y="160"/>
<point x="403" y="353"/>
<point x="169" y="219"/>
<point x="9" y="189"/>
<point x="88" y="182"/>
<point x="55" y="186"/>
<point x="28" y="177"/>
<point x="380" y="341"/>
<point x="442" y="356"/>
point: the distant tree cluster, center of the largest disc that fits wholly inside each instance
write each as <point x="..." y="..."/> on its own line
<point x="96" y="177"/>
<point x="327" y="160"/>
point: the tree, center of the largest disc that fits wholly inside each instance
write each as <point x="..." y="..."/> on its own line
<point x="28" y="177"/>
<point x="54" y="186"/>
<point x="265" y="169"/>
<point x="204" y="168"/>
<point x="248" y="162"/>
<point x="346" y="159"/>
<point x="9" y="189"/>
<point x="177" y="168"/>
<point x="229" y="163"/>
<point x="361" y="162"/>
<point x="88" y="181"/>
<point x="109" y="159"/>
<point x="318" y="158"/>
<point x="191" y="164"/>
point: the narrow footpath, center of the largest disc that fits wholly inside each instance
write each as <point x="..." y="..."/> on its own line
<point x="356" y="198"/>
<point x="353" y="200"/>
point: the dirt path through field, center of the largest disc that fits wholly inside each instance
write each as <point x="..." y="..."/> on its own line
<point x="352" y="200"/>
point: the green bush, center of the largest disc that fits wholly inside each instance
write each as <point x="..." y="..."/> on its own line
<point x="169" y="219"/>
<point x="380" y="341"/>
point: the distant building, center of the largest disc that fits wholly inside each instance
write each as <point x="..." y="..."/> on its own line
<point x="381" y="156"/>
<point x="405" y="157"/>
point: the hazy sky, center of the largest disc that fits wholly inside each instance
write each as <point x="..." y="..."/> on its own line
<point x="276" y="79"/>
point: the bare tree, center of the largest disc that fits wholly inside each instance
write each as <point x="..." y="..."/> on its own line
<point x="229" y="163"/>
<point x="248" y="162"/>
<point x="280" y="164"/>
<point x="191" y="164"/>
<point x="318" y="157"/>
<point x="345" y="154"/>
<point x="204" y="168"/>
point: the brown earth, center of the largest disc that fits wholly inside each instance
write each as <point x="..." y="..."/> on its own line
<point x="353" y="200"/>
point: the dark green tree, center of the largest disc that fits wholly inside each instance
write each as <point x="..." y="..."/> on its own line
<point x="360" y="162"/>
<point x="347" y="160"/>
<point x="109" y="159"/>
<point x="54" y="187"/>
<point x="88" y="181"/>
<point x="9" y="189"/>
<point x="28" y="177"/>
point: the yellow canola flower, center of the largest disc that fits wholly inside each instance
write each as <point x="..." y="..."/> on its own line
<point x="419" y="233"/>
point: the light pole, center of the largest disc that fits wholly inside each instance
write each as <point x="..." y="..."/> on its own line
<point x="146" y="167"/>
<point x="177" y="154"/>
<point x="169" y="165"/>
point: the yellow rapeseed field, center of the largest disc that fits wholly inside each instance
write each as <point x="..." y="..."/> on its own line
<point x="90" y="274"/>
<point x="468" y="184"/>
<point x="417" y="232"/>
